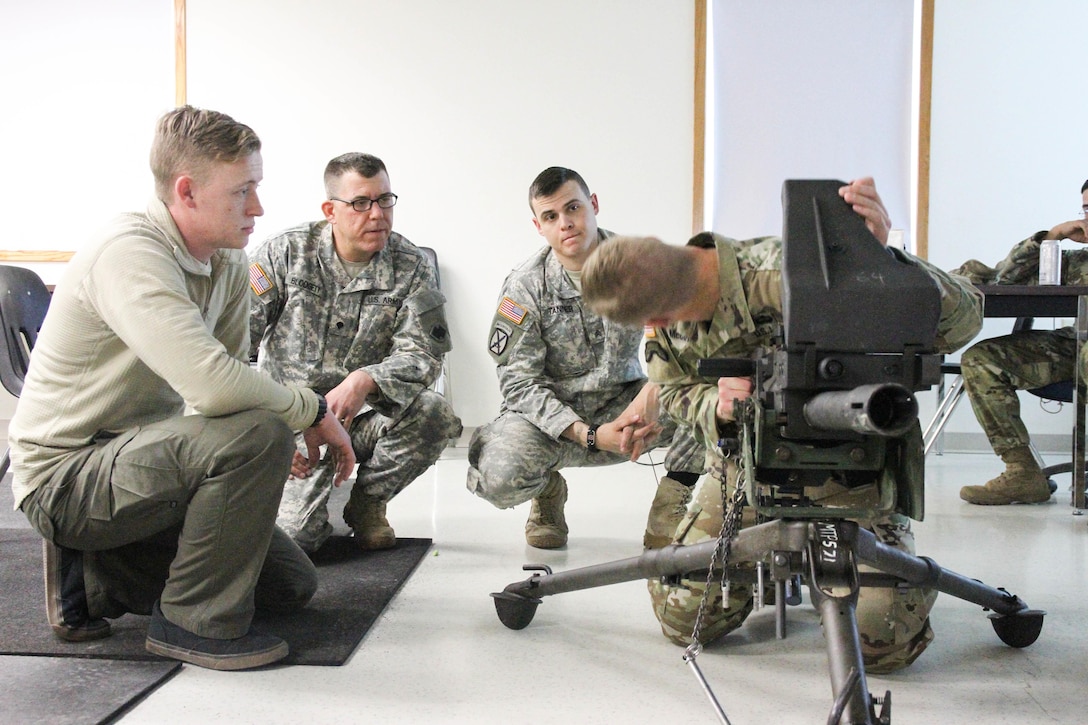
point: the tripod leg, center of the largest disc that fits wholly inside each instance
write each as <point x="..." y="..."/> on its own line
<point x="848" y="684"/>
<point x="833" y="586"/>
<point x="1015" y="624"/>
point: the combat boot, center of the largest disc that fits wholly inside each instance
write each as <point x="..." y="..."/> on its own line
<point x="1022" y="482"/>
<point x="366" y="517"/>
<point x="666" y="512"/>
<point x="547" y="526"/>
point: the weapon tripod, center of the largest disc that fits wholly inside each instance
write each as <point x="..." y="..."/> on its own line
<point x="825" y="554"/>
<point x="833" y="395"/>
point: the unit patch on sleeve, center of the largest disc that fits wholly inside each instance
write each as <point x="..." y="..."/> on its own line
<point x="655" y="348"/>
<point x="512" y="310"/>
<point x="500" y="339"/>
<point x="258" y="279"/>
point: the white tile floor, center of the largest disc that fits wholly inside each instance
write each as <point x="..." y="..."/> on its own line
<point x="440" y="655"/>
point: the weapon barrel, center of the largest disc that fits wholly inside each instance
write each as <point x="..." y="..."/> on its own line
<point x="885" y="409"/>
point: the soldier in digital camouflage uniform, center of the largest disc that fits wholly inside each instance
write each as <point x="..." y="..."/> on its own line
<point x="574" y="393"/>
<point x="352" y="309"/>
<point x="718" y="298"/>
<point x="994" y="369"/>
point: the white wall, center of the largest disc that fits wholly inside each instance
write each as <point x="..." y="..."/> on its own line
<point x="1009" y="147"/>
<point x="467" y="101"/>
<point x="829" y="98"/>
<point x="81" y="85"/>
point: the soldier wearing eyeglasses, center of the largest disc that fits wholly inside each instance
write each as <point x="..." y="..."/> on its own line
<point x="354" y="308"/>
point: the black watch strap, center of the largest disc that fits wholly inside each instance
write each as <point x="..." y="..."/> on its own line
<point x="322" y="409"/>
<point x="591" y="437"/>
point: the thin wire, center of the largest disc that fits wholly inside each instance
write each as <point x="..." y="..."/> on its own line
<point x="651" y="464"/>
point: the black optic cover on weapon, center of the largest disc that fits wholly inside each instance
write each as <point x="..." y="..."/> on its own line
<point x="842" y="290"/>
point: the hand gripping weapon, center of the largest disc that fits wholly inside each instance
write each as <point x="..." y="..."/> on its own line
<point x="834" y="400"/>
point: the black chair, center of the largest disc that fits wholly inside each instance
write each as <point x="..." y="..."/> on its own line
<point x="1062" y="391"/>
<point x="24" y="299"/>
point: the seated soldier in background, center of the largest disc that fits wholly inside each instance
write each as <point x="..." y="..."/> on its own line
<point x="994" y="369"/>
<point x="719" y="298"/>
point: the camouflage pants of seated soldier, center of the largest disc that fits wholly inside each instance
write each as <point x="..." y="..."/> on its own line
<point x="994" y="369"/>
<point x="893" y="625"/>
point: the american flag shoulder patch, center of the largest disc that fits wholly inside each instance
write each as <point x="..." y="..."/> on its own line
<point x="258" y="279"/>
<point x="512" y="310"/>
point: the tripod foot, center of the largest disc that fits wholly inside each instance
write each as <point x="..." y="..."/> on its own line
<point x="515" y="611"/>
<point x="1018" y="629"/>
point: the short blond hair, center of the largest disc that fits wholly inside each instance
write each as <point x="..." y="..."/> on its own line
<point x="188" y="140"/>
<point x="634" y="279"/>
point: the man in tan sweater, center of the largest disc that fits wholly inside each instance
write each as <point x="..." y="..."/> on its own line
<point x="146" y="509"/>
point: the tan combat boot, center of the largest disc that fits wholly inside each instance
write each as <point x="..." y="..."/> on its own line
<point x="1022" y="482"/>
<point x="547" y="526"/>
<point x="667" y="510"/>
<point x="366" y="517"/>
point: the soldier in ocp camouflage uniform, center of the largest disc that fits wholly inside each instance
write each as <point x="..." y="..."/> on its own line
<point x="722" y="298"/>
<point x="354" y="310"/>
<point x="994" y="369"/>
<point x="893" y="625"/>
<point x="571" y="381"/>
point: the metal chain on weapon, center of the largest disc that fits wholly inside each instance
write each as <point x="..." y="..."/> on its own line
<point x="731" y="518"/>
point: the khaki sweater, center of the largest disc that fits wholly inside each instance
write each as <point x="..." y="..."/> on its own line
<point x="137" y="329"/>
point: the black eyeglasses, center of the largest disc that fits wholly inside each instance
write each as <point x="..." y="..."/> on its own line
<point x="361" y="204"/>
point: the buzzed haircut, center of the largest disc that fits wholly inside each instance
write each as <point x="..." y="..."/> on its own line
<point x="634" y="279"/>
<point x="366" y="165"/>
<point x="189" y="140"/>
<point x="549" y="180"/>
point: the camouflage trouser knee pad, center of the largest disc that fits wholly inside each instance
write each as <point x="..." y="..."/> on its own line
<point x="894" y="627"/>
<point x="893" y="624"/>
<point x="677" y="607"/>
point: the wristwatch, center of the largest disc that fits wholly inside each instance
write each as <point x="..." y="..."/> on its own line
<point x="322" y="408"/>
<point x="591" y="437"/>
